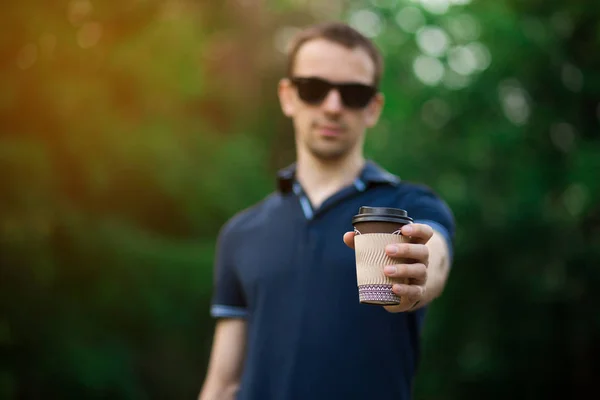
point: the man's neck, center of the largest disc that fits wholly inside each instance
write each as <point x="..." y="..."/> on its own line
<point x="321" y="179"/>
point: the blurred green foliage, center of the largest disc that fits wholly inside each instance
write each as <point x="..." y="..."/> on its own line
<point x="131" y="132"/>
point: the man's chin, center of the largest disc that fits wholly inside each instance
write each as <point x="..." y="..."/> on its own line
<point x="329" y="155"/>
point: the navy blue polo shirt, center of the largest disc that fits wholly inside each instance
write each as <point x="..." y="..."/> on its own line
<point x="282" y="265"/>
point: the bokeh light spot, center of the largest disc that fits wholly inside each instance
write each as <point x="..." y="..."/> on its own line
<point x="482" y="55"/>
<point x="514" y="102"/>
<point x="575" y="199"/>
<point x="89" y="35"/>
<point x="432" y="40"/>
<point x="326" y="9"/>
<point x="78" y="11"/>
<point x="410" y="19"/>
<point x="27" y="56"/>
<point x="572" y="77"/>
<point x="389" y="4"/>
<point x="454" y="81"/>
<point x="534" y="29"/>
<point x="436" y="113"/>
<point x="464" y="28"/>
<point x="563" y="136"/>
<point x="462" y="60"/>
<point x="367" y="22"/>
<point x="562" y="23"/>
<point x="283" y="36"/>
<point x="428" y="70"/>
<point x="436" y="6"/>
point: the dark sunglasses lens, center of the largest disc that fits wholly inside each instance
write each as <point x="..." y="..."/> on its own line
<point x="356" y="96"/>
<point x="312" y="91"/>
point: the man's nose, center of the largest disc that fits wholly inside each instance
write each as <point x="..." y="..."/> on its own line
<point x="333" y="102"/>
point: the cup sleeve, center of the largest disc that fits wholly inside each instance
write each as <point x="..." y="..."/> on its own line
<point x="228" y="299"/>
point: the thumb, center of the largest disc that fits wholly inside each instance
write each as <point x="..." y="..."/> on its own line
<point x="349" y="239"/>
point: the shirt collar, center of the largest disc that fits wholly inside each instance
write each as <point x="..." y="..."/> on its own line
<point x="370" y="174"/>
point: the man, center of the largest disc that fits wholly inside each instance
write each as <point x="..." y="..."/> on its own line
<point x="290" y="325"/>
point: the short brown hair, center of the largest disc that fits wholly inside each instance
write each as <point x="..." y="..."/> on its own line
<point x="339" y="33"/>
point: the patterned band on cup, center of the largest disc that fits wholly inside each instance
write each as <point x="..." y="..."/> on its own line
<point x="379" y="294"/>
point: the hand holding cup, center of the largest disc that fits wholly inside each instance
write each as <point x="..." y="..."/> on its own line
<point x="391" y="257"/>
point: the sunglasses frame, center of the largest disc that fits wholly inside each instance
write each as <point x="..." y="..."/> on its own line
<point x="342" y="88"/>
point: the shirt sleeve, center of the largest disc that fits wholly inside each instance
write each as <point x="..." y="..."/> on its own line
<point x="425" y="207"/>
<point x="228" y="299"/>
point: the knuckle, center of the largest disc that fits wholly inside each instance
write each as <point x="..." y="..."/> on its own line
<point x="425" y="229"/>
<point x="414" y="270"/>
<point x="402" y="269"/>
<point x="416" y="251"/>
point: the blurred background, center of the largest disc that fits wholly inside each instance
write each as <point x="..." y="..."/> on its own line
<point x="131" y="131"/>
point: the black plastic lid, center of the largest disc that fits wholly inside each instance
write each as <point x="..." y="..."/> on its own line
<point x="381" y="214"/>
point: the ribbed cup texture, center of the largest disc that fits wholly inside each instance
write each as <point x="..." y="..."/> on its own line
<point x="373" y="286"/>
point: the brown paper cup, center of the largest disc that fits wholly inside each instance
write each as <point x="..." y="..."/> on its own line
<point x="373" y="286"/>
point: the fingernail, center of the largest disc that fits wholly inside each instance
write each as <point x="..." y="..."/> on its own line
<point x="407" y="229"/>
<point x="391" y="249"/>
<point x="389" y="269"/>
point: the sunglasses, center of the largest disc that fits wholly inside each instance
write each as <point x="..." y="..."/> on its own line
<point x="314" y="90"/>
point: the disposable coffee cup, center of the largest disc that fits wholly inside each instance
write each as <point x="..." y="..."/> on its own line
<point x="374" y="229"/>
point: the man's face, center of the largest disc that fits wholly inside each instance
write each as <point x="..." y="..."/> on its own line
<point x="329" y="129"/>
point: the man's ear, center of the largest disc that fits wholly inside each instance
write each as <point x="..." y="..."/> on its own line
<point x="285" y="91"/>
<point x="374" y="109"/>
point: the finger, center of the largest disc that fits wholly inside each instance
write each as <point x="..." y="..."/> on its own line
<point x="419" y="252"/>
<point x="411" y="292"/>
<point x="349" y="239"/>
<point x="417" y="271"/>
<point x="419" y="233"/>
